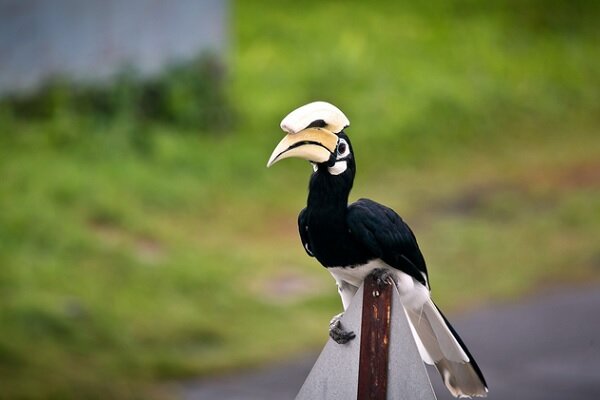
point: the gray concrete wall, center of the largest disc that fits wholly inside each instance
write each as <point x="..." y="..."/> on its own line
<point x="91" y="39"/>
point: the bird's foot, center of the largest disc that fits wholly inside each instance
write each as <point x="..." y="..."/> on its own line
<point x="337" y="332"/>
<point x="382" y="277"/>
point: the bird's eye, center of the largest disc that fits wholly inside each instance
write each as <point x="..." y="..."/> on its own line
<point x="342" y="148"/>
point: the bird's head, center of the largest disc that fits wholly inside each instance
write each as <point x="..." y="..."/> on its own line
<point x="315" y="132"/>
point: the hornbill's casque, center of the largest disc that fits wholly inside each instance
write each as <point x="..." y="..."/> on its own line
<point x="354" y="240"/>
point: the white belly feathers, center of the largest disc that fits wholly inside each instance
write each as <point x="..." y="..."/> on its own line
<point x="412" y="293"/>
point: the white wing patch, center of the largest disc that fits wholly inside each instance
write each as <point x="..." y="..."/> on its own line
<point x="308" y="250"/>
<point x="412" y="293"/>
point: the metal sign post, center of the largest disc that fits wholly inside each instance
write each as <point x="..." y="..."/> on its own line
<point x="374" y="341"/>
<point x="382" y="362"/>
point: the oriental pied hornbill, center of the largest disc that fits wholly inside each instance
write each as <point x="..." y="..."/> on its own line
<point x="354" y="240"/>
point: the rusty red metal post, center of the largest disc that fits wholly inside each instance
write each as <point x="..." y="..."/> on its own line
<point x="375" y="340"/>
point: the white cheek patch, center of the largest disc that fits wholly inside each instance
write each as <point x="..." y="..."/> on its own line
<point x="315" y="166"/>
<point x="338" y="168"/>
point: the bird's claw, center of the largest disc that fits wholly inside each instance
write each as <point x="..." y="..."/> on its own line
<point x="337" y="332"/>
<point x="382" y="277"/>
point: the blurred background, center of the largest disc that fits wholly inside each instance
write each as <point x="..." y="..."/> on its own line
<point x="143" y="241"/>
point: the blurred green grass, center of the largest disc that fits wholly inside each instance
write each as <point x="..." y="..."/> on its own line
<point x="137" y="251"/>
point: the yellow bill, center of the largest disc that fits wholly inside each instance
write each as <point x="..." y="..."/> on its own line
<point x="312" y="144"/>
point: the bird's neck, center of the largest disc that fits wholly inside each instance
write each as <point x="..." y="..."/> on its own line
<point x="328" y="194"/>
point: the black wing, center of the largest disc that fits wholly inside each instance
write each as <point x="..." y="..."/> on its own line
<point x="385" y="234"/>
<point x="303" y="228"/>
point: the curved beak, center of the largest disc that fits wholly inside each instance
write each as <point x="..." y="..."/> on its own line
<point x="312" y="144"/>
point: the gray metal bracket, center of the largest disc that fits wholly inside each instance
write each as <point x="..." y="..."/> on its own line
<point x="335" y="373"/>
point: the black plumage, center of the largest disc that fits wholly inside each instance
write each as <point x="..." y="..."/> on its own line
<point x="339" y="235"/>
<point x="342" y="235"/>
<point x="353" y="241"/>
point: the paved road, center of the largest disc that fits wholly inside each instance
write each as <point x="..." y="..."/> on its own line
<point x="544" y="348"/>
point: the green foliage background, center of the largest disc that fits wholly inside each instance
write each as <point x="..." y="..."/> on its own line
<point x="143" y="241"/>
